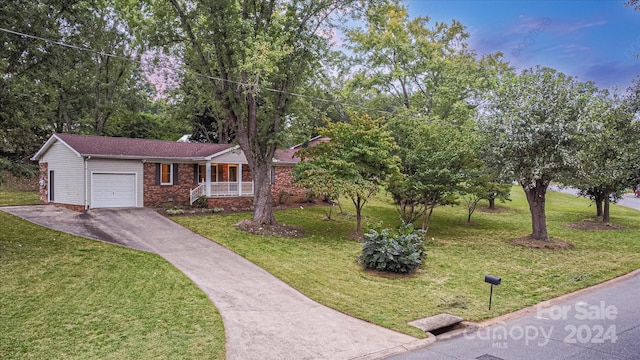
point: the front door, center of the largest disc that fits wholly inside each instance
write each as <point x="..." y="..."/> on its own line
<point x="51" y="186"/>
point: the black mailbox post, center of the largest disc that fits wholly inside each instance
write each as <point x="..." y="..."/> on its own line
<point x="493" y="280"/>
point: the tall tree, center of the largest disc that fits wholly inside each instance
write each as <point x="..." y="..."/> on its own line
<point x="434" y="159"/>
<point x="411" y="63"/>
<point x="358" y="160"/>
<point x="254" y="54"/>
<point x="534" y="118"/>
<point x="47" y="87"/>
<point x="609" y="149"/>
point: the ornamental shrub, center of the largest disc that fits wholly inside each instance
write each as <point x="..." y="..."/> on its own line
<point x="401" y="253"/>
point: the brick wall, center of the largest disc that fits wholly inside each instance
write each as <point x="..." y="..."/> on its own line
<point x="78" y="208"/>
<point x="44" y="174"/>
<point x="246" y="173"/>
<point x="284" y="191"/>
<point x="231" y="203"/>
<point x="160" y="195"/>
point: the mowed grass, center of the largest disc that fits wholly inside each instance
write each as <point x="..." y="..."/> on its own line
<point x="66" y="297"/>
<point x="12" y="197"/>
<point x="322" y="265"/>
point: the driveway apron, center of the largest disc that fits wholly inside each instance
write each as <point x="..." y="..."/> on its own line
<point x="264" y="318"/>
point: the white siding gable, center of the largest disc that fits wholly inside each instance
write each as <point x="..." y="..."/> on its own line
<point x="68" y="168"/>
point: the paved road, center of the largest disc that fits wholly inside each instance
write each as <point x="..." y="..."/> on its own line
<point x="599" y="323"/>
<point x="628" y="200"/>
<point x="263" y="317"/>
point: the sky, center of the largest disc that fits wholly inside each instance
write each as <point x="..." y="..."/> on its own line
<point x="592" y="40"/>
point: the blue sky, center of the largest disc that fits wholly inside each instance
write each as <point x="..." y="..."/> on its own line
<point x="593" y="40"/>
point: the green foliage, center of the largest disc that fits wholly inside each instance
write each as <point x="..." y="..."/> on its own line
<point x="201" y="202"/>
<point x="416" y="65"/>
<point x="532" y="127"/>
<point x="401" y="253"/>
<point x="255" y="55"/>
<point x="175" y="211"/>
<point x="48" y="88"/>
<point x="355" y="163"/>
<point x="480" y="184"/>
<point x="434" y="160"/>
<point x="609" y="151"/>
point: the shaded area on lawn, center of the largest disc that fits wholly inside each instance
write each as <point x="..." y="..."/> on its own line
<point x="322" y="264"/>
<point x="63" y="296"/>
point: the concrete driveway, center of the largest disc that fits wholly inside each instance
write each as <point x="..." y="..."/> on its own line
<point x="264" y="318"/>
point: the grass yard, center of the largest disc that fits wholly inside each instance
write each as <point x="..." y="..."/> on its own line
<point x="12" y="197"/>
<point x="322" y="264"/>
<point x="66" y="297"/>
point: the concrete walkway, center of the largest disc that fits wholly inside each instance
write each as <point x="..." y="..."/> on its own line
<point x="264" y="318"/>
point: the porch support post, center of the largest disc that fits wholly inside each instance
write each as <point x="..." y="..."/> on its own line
<point x="208" y="179"/>
<point x="239" y="179"/>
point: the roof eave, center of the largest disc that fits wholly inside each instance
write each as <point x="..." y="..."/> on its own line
<point x="48" y="144"/>
<point x="210" y="157"/>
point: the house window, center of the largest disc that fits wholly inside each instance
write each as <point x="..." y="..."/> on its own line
<point x="166" y="174"/>
<point x="273" y="174"/>
<point x="202" y="173"/>
<point x="233" y="173"/>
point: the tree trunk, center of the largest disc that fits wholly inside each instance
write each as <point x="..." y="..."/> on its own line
<point x="492" y="203"/>
<point x="598" y="207"/>
<point x="262" y="199"/>
<point x="359" y="217"/>
<point x="536" y="198"/>
<point x="605" y="214"/>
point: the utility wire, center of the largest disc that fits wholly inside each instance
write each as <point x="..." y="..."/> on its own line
<point x="188" y="72"/>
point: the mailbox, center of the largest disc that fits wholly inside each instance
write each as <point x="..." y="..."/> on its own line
<point x="493" y="280"/>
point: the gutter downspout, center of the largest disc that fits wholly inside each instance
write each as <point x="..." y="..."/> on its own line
<point x="86" y="187"/>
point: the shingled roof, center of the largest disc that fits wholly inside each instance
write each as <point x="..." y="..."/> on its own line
<point x="118" y="147"/>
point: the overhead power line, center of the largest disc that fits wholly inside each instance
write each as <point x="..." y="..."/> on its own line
<point x="180" y="70"/>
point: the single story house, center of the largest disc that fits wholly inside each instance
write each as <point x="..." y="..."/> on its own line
<point x="84" y="172"/>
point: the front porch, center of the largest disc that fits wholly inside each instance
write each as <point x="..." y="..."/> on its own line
<point x="222" y="189"/>
<point x="220" y="180"/>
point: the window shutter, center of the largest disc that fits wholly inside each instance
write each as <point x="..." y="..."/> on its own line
<point x="175" y="174"/>
<point x="196" y="177"/>
<point x="158" y="170"/>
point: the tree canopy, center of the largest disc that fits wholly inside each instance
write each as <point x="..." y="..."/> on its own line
<point x="355" y="162"/>
<point x="533" y="125"/>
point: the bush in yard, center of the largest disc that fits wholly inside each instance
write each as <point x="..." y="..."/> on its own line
<point x="201" y="202"/>
<point x="400" y="253"/>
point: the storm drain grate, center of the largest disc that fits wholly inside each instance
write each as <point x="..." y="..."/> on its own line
<point x="488" y="357"/>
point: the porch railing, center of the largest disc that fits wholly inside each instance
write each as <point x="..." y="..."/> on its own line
<point x="222" y="189"/>
<point x="231" y="188"/>
<point x="200" y="190"/>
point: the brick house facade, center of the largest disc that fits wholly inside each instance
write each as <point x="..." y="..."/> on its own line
<point x="99" y="172"/>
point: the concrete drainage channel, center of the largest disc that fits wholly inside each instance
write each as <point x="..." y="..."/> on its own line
<point x="442" y="326"/>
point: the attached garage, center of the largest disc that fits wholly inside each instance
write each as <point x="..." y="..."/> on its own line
<point x="110" y="190"/>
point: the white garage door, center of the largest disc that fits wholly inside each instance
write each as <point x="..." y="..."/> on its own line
<point x="113" y="190"/>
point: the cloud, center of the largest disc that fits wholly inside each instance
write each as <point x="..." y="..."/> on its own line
<point x="565" y="28"/>
<point x="527" y="24"/>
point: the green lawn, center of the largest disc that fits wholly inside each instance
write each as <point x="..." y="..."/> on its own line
<point x="322" y="264"/>
<point x="11" y="197"/>
<point x="66" y="297"/>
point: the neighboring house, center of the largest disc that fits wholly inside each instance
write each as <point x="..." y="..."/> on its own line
<point x="83" y="172"/>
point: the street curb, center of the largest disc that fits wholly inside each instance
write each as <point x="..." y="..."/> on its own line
<point x="573" y="295"/>
<point x="469" y="325"/>
<point x="411" y="346"/>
